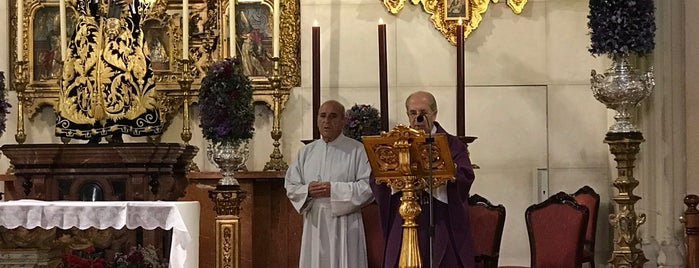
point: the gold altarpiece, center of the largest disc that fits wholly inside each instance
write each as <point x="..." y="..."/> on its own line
<point x="446" y="14"/>
<point x="36" y="77"/>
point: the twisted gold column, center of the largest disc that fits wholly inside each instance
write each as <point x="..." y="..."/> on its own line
<point x="185" y="82"/>
<point x="625" y="222"/>
<point x="21" y="80"/>
<point x="227" y="200"/>
<point x="409" y="210"/>
<point x="276" y="161"/>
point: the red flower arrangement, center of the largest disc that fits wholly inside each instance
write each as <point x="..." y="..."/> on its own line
<point x="86" y="258"/>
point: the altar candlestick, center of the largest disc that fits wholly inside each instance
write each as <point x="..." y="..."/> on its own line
<point x="20" y="41"/>
<point x="460" y="89"/>
<point x="62" y="18"/>
<point x="231" y="28"/>
<point x="316" y="78"/>
<point x="275" y="29"/>
<point x="185" y="29"/>
<point x="383" y="73"/>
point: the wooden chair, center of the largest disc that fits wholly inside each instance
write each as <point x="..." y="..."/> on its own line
<point x="587" y="197"/>
<point x="556" y="230"/>
<point x="691" y="225"/>
<point x="487" y="224"/>
<point x="375" y="243"/>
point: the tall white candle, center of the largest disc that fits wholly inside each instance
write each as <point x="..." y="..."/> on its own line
<point x="64" y="33"/>
<point x="20" y="31"/>
<point x="231" y="27"/>
<point x="275" y="33"/>
<point x="185" y="29"/>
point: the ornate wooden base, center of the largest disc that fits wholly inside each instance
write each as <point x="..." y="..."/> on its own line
<point x="227" y="201"/>
<point x="625" y="222"/>
<point x="128" y="171"/>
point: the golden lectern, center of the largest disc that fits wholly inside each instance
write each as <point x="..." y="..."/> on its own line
<point x="406" y="159"/>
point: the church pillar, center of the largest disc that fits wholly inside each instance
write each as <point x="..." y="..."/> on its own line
<point x="662" y="161"/>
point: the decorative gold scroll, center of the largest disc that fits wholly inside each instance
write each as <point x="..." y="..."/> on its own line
<point x="161" y="22"/>
<point x="471" y="15"/>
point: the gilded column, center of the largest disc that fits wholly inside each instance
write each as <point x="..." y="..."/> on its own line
<point x="625" y="222"/>
<point x="227" y="200"/>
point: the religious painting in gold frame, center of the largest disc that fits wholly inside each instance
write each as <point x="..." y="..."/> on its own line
<point x="161" y="22"/>
<point x="445" y="19"/>
<point x="45" y="45"/>
<point x="456" y="10"/>
<point x="254" y="37"/>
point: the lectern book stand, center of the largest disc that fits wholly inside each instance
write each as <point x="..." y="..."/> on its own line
<point x="407" y="159"/>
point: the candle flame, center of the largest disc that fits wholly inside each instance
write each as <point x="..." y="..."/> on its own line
<point x="315" y="23"/>
<point x="460" y="22"/>
<point x="381" y="21"/>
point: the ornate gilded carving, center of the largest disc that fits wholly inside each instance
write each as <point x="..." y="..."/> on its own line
<point x="399" y="159"/>
<point x="625" y="222"/>
<point x="445" y="22"/>
<point x="161" y="23"/>
<point x="276" y="161"/>
<point x="227" y="206"/>
<point x="227" y="202"/>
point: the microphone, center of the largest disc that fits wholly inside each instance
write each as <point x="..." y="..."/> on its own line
<point x="420" y="118"/>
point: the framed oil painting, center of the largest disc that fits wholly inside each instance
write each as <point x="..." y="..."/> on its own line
<point x="456" y="9"/>
<point x="45" y="46"/>
<point x="253" y="27"/>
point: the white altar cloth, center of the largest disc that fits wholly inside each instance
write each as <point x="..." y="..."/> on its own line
<point x="182" y="217"/>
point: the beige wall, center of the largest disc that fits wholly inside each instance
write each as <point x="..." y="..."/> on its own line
<point x="692" y="93"/>
<point x="528" y="97"/>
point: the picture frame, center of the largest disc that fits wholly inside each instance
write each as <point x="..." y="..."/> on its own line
<point x="456" y="9"/>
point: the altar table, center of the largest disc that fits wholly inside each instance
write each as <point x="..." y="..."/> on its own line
<point x="181" y="217"/>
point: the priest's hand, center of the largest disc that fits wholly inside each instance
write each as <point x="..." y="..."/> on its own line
<point x="319" y="189"/>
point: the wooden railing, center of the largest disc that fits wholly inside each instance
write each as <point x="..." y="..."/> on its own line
<point x="691" y="224"/>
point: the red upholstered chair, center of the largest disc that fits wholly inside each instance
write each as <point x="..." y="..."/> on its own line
<point x="374" y="236"/>
<point x="556" y="230"/>
<point x="487" y="223"/>
<point x="587" y="197"/>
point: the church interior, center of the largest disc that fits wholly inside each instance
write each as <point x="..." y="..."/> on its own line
<point x="536" y="127"/>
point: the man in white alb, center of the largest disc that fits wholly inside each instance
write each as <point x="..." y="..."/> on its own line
<point x="328" y="183"/>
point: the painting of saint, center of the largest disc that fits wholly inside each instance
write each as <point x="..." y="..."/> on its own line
<point x="456" y="9"/>
<point x="46" y="45"/>
<point x="254" y="39"/>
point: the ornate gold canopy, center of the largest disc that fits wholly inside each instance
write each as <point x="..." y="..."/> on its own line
<point x="445" y="14"/>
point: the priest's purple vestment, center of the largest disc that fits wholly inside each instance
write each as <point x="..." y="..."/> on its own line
<point x="452" y="243"/>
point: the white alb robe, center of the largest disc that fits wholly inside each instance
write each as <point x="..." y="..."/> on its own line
<point x="333" y="232"/>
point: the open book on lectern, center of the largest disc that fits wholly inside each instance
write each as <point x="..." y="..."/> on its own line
<point x="403" y="151"/>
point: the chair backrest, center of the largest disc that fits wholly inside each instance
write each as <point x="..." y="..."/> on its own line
<point x="374" y="235"/>
<point x="487" y="223"/>
<point x="587" y="197"/>
<point x="556" y="230"/>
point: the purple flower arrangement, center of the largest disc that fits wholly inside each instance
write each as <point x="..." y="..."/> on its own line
<point x="621" y="26"/>
<point x="4" y="105"/>
<point x="225" y="103"/>
<point x="362" y="120"/>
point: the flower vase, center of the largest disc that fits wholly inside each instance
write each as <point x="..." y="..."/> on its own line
<point x="228" y="157"/>
<point x="622" y="88"/>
